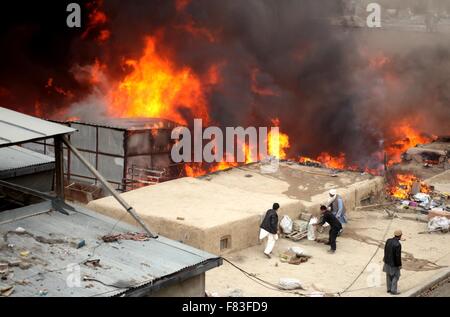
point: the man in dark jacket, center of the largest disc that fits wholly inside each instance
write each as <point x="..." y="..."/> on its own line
<point x="335" y="227"/>
<point x="393" y="262"/>
<point x="269" y="229"/>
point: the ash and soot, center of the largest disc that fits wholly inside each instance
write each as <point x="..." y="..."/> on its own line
<point x="342" y="97"/>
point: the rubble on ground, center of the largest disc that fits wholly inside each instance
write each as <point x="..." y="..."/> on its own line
<point x="136" y="236"/>
<point x="434" y="205"/>
<point x="294" y="255"/>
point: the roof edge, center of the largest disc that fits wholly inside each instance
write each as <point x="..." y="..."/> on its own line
<point x="177" y="277"/>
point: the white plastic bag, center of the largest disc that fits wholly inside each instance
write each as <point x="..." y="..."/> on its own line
<point x="297" y="250"/>
<point x="286" y="224"/>
<point x="290" y="283"/>
<point x="424" y="199"/>
<point x="438" y="223"/>
<point x="312" y="229"/>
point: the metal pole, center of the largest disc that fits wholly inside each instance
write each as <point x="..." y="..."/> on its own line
<point x="59" y="167"/>
<point x="108" y="186"/>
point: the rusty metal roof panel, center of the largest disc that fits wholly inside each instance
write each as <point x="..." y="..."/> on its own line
<point x="16" y="128"/>
<point x="126" y="267"/>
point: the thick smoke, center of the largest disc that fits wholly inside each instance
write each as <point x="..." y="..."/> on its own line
<point x="333" y="89"/>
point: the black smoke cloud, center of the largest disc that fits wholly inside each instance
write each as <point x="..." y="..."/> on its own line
<point x="324" y="92"/>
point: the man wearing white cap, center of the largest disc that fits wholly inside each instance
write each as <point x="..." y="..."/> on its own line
<point x="336" y="205"/>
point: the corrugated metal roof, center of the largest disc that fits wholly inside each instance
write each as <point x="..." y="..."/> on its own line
<point x="130" y="123"/>
<point x="126" y="265"/>
<point x="16" y="128"/>
<point x="15" y="157"/>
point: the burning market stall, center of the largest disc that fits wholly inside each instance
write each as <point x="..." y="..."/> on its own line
<point x="130" y="153"/>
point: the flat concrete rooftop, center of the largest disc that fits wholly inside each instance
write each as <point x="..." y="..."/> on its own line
<point x="228" y="206"/>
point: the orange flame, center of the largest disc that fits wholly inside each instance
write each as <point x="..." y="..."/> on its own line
<point x="337" y="162"/>
<point x="407" y="137"/>
<point x="278" y="144"/>
<point x="199" y="169"/>
<point x="72" y="119"/>
<point x="307" y="160"/>
<point x="403" y="185"/>
<point x="156" y="88"/>
<point x="276" y="147"/>
<point x="248" y="154"/>
<point x="96" y="20"/>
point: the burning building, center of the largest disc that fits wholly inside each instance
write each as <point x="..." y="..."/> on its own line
<point x="130" y="153"/>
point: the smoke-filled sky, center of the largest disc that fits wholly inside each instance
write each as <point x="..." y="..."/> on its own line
<point x="333" y="89"/>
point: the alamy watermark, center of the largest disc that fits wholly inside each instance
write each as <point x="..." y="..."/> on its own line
<point x="74" y="17"/>
<point x="374" y="18"/>
<point x="236" y="145"/>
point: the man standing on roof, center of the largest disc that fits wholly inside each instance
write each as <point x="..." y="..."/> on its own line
<point x="337" y="208"/>
<point x="393" y="262"/>
<point x="269" y="229"/>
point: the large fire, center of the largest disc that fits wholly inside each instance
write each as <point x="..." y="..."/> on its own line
<point x="336" y="162"/>
<point x="157" y="88"/>
<point x="277" y="145"/>
<point x="405" y="137"/>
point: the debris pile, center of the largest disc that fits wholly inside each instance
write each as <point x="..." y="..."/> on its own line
<point x="412" y="194"/>
<point x="426" y="203"/>
<point x="135" y="236"/>
<point x="294" y="255"/>
<point x="402" y="186"/>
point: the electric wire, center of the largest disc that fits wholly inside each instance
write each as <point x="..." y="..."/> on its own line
<point x="370" y="260"/>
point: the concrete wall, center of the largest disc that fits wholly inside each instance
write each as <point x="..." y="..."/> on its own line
<point x="355" y="195"/>
<point x="192" y="287"/>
